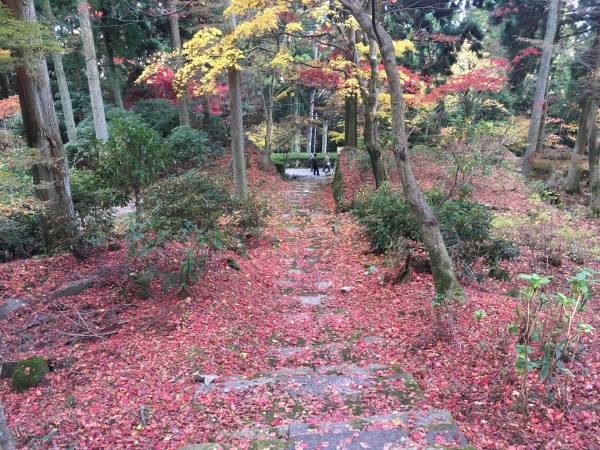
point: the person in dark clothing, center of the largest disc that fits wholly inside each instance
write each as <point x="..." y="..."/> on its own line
<point x="314" y="165"/>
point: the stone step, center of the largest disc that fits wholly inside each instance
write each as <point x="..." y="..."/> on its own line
<point x="412" y="429"/>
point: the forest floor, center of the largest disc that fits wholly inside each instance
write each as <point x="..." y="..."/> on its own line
<point x="306" y="333"/>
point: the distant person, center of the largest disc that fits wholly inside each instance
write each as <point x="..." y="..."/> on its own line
<point x="314" y="165"/>
<point x="326" y="165"/>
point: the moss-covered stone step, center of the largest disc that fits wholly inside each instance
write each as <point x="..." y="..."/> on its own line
<point x="417" y="428"/>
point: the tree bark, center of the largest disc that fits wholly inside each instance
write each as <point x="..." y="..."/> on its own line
<point x="296" y="114"/>
<point x="91" y="65"/>
<point x="51" y="173"/>
<point x="446" y="285"/>
<point x="324" y="138"/>
<point x="594" y="172"/>
<point x="5" y="89"/>
<point x="351" y="102"/>
<point x="6" y="442"/>
<point x="237" y="123"/>
<point x="309" y="130"/>
<point x="183" y="100"/>
<point x="369" y="93"/>
<point x="63" y="87"/>
<point x="540" y="90"/>
<point x="587" y="117"/>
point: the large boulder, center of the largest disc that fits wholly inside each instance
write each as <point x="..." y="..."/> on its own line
<point x="29" y="373"/>
<point x="73" y="288"/>
<point x="11" y="305"/>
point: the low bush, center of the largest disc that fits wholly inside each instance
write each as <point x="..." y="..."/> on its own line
<point x="133" y="158"/>
<point x="465" y="226"/>
<point x="187" y="145"/>
<point x="94" y="204"/>
<point x="159" y="114"/>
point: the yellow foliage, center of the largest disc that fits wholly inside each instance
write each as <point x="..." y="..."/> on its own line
<point x="403" y="46"/>
<point x="294" y="27"/>
<point x="264" y="21"/>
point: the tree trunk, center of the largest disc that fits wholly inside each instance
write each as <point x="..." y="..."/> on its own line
<point x="324" y="138"/>
<point x="91" y="65"/>
<point x="296" y="114"/>
<point x="540" y="90"/>
<point x="51" y="173"/>
<point x="351" y="102"/>
<point x="370" y="95"/>
<point x="350" y="121"/>
<point x="112" y="73"/>
<point x="267" y="94"/>
<point x="587" y="117"/>
<point x="183" y="100"/>
<point x="542" y="132"/>
<point x="594" y="172"/>
<point x="63" y="87"/>
<point x="446" y="285"/>
<point x="309" y="129"/>
<point x="5" y="89"/>
<point x="237" y="123"/>
<point x="6" y="442"/>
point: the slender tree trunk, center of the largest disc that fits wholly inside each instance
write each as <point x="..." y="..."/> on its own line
<point x="51" y="173"/>
<point x="296" y="114"/>
<point x="594" y="172"/>
<point x="91" y="64"/>
<point x="183" y="100"/>
<point x="63" y="87"/>
<point x="587" y="117"/>
<point x="351" y="102"/>
<point x="324" y="137"/>
<point x="540" y="91"/>
<point x="6" y="442"/>
<point x="267" y="94"/>
<point x="446" y="285"/>
<point x="309" y="130"/>
<point x="112" y="72"/>
<point x="369" y="93"/>
<point x="237" y="123"/>
<point x="542" y="132"/>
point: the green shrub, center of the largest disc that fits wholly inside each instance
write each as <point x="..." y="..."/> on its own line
<point x="20" y="211"/>
<point x="29" y="373"/>
<point x="14" y="124"/>
<point x="133" y="157"/>
<point x="301" y="158"/>
<point x="94" y="203"/>
<point x="159" y="114"/>
<point x="184" y="208"/>
<point x="187" y="145"/>
<point x="251" y="215"/>
<point x="465" y="226"/>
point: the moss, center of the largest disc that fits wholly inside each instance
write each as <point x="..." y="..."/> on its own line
<point x="28" y="373"/>
<point x="269" y="444"/>
<point x="359" y="424"/>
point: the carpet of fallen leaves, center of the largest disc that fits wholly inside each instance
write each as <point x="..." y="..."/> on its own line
<point x="226" y="324"/>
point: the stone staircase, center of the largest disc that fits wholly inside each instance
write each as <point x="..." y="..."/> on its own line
<point x="324" y="394"/>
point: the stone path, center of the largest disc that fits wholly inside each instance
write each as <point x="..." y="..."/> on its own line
<point x="336" y="382"/>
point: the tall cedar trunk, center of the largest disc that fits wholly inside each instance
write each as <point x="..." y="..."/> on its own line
<point x="63" y="87"/>
<point x="296" y="114"/>
<point x="350" y="121"/>
<point x="5" y="89"/>
<point x="309" y="130"/>
<point x="446" y="285"/>
<point x="183" y="100"/>
<point x="267" y="97"/>
<point x="6" y="442"/>
<point x="112" y="72"/>
<point x="351" y="102"/>
<point x="370" y="95"/>
<point x="594" y="172"/>
<point x="91" y="70"/>
<point x="324" y="138"/>
<point x="587" y="117"/>
<point x="51" y="174"/>
<point x="540" y="90"/>
<point x="237" y="123"/>
<point x="589" y="108"/>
